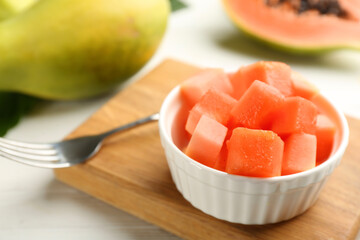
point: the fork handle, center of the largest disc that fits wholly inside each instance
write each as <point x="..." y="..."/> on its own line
<point x="141" y="121"/>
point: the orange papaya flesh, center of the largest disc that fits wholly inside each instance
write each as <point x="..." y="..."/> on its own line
<point x="296" y="115"/>
<point x="254" y="153"/>
<point x="303" y="88"/>
<point x="214" y="104"/>
<point x="221" y="159"/>
<point x="206" y="142"/>
<point x="299" y="153"/>
<point x="325" y="133"/>
<point x="276" y="74"/>
<point x="196" y="86"/>
<point x="256" y="103"/>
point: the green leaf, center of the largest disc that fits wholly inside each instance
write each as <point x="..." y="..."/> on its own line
<point x="177" y="5"/>
<point x="13" y="106"/>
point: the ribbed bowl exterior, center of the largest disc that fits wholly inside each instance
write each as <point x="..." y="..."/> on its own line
<point x="241" y="199"/>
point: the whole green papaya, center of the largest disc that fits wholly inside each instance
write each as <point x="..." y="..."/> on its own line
<point x="72" y="49"/>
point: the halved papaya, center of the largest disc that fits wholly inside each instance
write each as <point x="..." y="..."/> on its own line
<point x="299" y="26"/>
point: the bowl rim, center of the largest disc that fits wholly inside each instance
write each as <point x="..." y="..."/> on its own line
<point x="175" y="92"/>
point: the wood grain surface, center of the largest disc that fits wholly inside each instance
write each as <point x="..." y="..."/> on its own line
<point x="130" y="172"/>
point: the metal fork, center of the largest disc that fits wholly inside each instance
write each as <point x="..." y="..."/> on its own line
<point x="65" y="153"/>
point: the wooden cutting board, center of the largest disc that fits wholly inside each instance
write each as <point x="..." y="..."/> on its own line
<point x="130" y="172"/>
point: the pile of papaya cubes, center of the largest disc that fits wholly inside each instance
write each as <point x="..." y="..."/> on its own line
<point x="258" y="122"/>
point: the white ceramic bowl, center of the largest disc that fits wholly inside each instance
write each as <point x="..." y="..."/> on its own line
<point x="240" y="199"/>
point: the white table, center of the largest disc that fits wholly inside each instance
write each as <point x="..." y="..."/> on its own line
<point x="33" y="205"/>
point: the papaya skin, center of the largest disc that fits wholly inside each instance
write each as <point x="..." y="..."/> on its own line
<point x="5" y="10"/>
<point x="74" y="49"/>
<point x="16" y="6"/>
<point x="283" y="46"/>
<point x="9" y="8"/>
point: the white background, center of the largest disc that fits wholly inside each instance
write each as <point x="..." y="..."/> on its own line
<point x="33" y="205"/>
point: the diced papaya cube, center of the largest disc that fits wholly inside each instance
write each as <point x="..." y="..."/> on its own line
<point x="230" y="75"/>
<point x="325" y="133"/>
<point x="196" y="86"/>
<point x="276" y="74"/>
<point x="214" y="104"/>
<point x="220" y="163"/>
<point x="299" y="153"/>
<point x="240" y="82"/>
<point x="206" y="142"/>
<point x="254" y="153"/>
<point x="296" y="115"/>
<point x="256" y="103"/>
<point x="303" y="88"/>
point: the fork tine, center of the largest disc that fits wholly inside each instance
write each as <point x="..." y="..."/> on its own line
<point x="51" y="165"/>
<point x="43" y="152"/>
<point x="26" y="145"/>
<point x="29" y="156"/>
<point x="64" y="153"/>
<point x="34" y="163"/>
